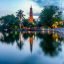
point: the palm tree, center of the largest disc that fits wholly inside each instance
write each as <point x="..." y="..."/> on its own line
<point x="20" y="15"/>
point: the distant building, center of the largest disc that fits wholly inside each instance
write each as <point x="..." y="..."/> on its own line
<point x="58" y="24"/>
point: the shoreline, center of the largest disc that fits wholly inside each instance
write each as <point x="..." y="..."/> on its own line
<point x="60" y="31"/>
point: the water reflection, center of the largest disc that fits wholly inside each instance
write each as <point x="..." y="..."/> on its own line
<point x="9" y="37"/>
<point x="50" y="43"/>
<point x="30" y="36"/>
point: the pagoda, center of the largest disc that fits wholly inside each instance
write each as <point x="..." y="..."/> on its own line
<point x="31" y="15"/>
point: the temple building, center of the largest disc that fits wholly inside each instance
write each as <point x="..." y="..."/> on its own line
<point x="31" y="15"/>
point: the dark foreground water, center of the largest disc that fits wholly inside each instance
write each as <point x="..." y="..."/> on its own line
<point x="31" y="48"/>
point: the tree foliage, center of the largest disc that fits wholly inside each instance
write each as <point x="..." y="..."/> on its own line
<point x="49" y="15"/>
<point x="20" y="14"/>
<point x="9" y="22"/>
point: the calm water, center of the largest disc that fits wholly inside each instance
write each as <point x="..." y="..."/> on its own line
<point x="31" y="48"/>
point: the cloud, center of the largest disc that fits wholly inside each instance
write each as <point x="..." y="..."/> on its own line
<point x="6" y="12"/>
<point x="14" y="5"/>
<point x="47" y="2"/>
<point x="36" y="14"/>
<point x="26" y="7"/>
<point x="59" y="3"/>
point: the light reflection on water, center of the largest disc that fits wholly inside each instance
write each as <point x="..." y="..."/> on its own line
<point x="31" y="48"/>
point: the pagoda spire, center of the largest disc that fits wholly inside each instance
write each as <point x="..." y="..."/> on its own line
<point x="31" y="15"/>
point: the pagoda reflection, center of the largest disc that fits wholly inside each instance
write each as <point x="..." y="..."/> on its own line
<point x="31" y="39"/>
<point x="31" y="43"/>
<point x="28" y="35"/>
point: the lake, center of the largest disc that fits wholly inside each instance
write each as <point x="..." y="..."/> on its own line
<point x="31" y="47"/>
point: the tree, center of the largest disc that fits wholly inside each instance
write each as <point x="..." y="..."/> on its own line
<point x="49" y="15"/>
<point x="9" y="22"/>
<point x="20" y="16"/>
<point x="26" y="23"/>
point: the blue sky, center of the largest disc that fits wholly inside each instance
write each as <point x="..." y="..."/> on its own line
<point x="11" y="6"/>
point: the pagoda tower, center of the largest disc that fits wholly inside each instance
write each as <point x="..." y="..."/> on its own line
<point x="31" y="15"/>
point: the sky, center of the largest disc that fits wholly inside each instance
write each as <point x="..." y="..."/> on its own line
<point x="11" y="6"/>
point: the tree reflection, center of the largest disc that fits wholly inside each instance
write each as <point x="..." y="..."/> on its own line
<point x="20" y="44"/>
<point x="26" y="35"/>
<point x="50" y="45"/>
<point x="20" y="41"/>
<point x="9" y="37"/>
<point x="12" y="37"/>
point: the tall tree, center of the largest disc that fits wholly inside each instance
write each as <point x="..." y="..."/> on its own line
<point x="49" y="15"/>
<point x="20" y="16"/>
